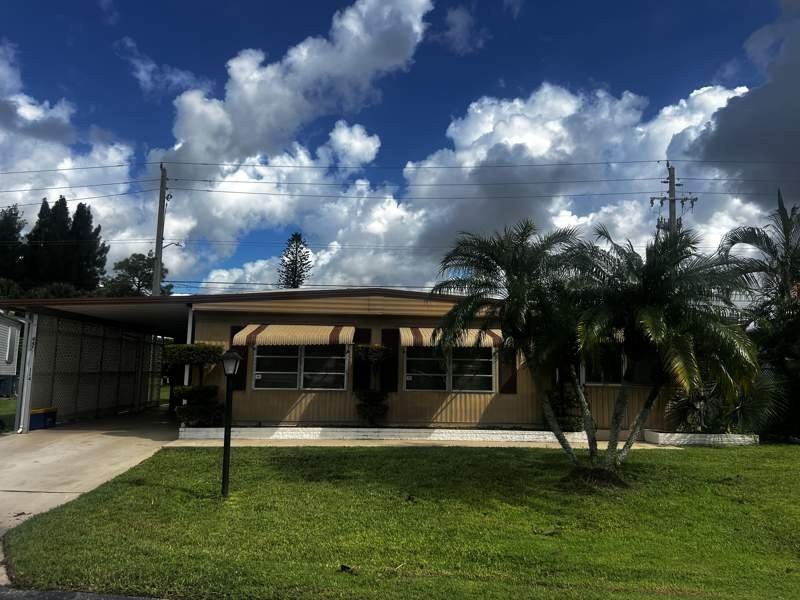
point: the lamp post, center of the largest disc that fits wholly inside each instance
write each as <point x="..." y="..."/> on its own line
<point x="230" y="364"/>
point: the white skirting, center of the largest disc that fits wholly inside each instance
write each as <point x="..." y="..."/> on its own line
<point x="699" y="439"/>
<point x="363" y="433"/>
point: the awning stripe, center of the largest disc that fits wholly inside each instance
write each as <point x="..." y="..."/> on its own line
<point x="294" y="335"/>
<point x="497" y="339"/>
<point x="424" y="336"/>
<point x="252" y="336"/>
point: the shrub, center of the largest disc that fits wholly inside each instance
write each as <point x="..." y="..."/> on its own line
<point x="372" y="406"/>
<point x="202" y="409"/>
<point x="707" y="410"/>
<point x="177" y="355"/>
<point x="565" y="405"/>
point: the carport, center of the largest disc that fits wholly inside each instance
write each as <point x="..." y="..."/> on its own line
<point x="94" y="357"/>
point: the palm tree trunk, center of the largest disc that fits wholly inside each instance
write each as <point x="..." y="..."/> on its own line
<point x="586" y="413"/>
<point x="641" y="419"/>
<point x="616" y="420"/>
<point x="550" y="417"/>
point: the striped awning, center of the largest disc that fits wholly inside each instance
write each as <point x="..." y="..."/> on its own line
<point x="294" y="335"/>
<point x="424" y="336"/>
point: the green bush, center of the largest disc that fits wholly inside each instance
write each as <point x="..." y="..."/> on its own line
<point x="566" y="406"/>
<point x="177" y="355"/>
<point x="372" y="406"/>
<point x="202" y="409"/>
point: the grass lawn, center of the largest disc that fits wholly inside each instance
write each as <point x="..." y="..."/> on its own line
<point x="426" y="523"/>
<point x="8" y="408"/>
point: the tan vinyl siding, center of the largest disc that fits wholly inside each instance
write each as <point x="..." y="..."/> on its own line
<point x="602" y="397"/>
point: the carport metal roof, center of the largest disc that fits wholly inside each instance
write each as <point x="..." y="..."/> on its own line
<point x="167" y="315"/>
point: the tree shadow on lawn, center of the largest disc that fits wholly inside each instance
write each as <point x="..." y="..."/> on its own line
<point x="514" y="476"/>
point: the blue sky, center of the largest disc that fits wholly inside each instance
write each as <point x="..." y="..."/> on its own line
<point x="454" y="54"/>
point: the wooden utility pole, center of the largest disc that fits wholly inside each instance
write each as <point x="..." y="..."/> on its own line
<point x="674" y="223"/>
<point x="162" y="208"/>
<point x="673" y="209"/>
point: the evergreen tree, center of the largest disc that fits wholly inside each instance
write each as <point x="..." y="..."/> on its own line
<point x="133" y="276"/>
<point x="37" y="268"/>
<point x="49" y="246"/>
<point x="295" y="264"/>
<point x="88" y="252"/>
<point x="12" y="249"/>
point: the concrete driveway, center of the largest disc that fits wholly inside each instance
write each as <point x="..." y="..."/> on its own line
<point x="43" y="469"/>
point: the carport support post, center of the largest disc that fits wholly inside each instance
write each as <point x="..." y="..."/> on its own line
<point x="226" y="449"/>
<point x="187" y="369"/>
<point x="22" y="420"/>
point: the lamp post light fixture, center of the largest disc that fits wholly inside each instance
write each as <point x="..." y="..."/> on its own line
<point x="230" y="364"/>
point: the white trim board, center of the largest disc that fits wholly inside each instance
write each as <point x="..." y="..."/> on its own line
<point x="383" y="433"/>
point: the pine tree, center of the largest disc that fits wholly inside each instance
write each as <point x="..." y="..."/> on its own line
<point x="37" y="270"/>
<point x="88" y="252"/>
<point x="295" y="264"/>
<point x="12" y="249"/>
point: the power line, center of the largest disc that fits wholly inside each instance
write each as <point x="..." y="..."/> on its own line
<point x="201" y="283"/>
<point x="59" y="169"/>
<point x="72" y="187"/>
<point x="195" y="284"/>
<point x="411" y="166"/>
<point x="407" y="185"/>
<point x="416" y="185"/>
<point x="84" y="198"/>
<point x="232" y="242"/>
<point x="506" y="197"/>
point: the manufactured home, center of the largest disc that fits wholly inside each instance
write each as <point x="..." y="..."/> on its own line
<point x="301" y="360"/>
<point x="9" y="354"/>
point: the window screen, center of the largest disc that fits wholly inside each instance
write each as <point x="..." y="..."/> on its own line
<point x="301" y="367"/>
<point x="324" y="367"/>
<point x="277" y="367"/>
<point x="464" y="369"/>
<point x="472" y="369"/>
<point x="426" y="369"/>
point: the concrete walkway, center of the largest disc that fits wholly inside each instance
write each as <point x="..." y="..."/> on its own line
<point x="242" y="443"/>
<point x="43" y="469"/>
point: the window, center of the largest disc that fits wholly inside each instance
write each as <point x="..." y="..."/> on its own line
<point x="472" y="369"/>
<point x="464" y="369"/>
<point x="301" y="367"/>
<point x="11" y="349"/>
<point x="426" y="369"/>
<point x="324" y="367"/>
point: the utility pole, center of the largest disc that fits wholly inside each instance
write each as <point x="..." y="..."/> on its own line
<point x="162" y="208"/>
<point x="674" y="223"/>
<point x="673" y="209"/>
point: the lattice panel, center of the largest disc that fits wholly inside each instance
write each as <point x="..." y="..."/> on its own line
<point x="87" y="368"/>
<point x="44" y="363"/>
<point x="67" y="360"/>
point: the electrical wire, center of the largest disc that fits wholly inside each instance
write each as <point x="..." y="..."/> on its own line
<point x="410" y="166"/>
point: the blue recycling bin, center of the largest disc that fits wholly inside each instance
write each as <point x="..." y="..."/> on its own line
<point x="42" y="418"/>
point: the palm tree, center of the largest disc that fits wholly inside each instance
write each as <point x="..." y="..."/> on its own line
<point x="778" y="266"/>
<point x="515" y="278"/>
<point x="673" y="304"/>
<point x="776" y="309"/>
